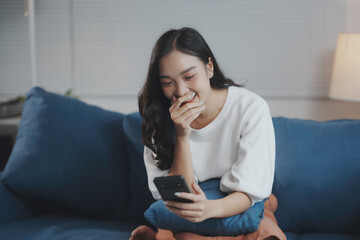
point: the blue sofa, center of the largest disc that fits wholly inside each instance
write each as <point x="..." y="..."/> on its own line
<point x="76" y="172"/>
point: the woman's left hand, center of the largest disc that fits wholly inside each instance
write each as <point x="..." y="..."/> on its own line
<point x="198" y="211"/>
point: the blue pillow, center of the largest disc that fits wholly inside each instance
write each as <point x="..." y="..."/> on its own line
<point x="70" y="154"/>
<point x="243" y="223"/>
<point x="140" y="197"/>
<point x="317" y="175"/>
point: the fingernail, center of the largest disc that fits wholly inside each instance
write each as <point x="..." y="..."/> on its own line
<point x="177" y="194"/>
<point x="166" y="202"/>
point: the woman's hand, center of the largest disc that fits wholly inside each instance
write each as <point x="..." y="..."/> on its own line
<point x="183" y="113"/>
<point x="198" y="211"/>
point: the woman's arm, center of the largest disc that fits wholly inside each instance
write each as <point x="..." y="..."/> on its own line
<point x="182" y="163"/>
<point x="233" y="204"/>
<point x="182" y="115"/>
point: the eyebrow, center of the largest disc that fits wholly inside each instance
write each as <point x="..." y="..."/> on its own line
<point x="185" y="71"/>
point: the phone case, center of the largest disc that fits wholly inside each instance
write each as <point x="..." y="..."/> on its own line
<point x="169" y="185"/>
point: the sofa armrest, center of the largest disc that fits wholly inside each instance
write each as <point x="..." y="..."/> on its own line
<point x="11" y="207"/>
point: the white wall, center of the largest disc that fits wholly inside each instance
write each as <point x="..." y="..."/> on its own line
<point x="320" y="108"/>
<point x="101" y="49"/>
<point x="316" y="109"/>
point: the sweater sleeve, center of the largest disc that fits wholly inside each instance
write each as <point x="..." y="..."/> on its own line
<point x="253" y="171"/>
<point x="152" y="171"/>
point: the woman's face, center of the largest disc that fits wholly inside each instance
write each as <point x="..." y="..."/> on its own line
<point x="181" y="73"/>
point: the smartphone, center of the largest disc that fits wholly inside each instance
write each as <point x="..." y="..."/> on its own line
<point x="169" y="185"/>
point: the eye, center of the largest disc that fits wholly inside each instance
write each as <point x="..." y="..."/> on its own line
<point x="165" y="84"/>
<point x="188" y="78"/>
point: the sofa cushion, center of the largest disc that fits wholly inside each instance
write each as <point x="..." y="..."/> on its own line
<point x="70" y="153"/>
<point x="60" y="227"/>
<point x="317" y="178"/>
<point x="292" y="236"/>
<point x="140" y="197"/>
<point x="243" y="223"/>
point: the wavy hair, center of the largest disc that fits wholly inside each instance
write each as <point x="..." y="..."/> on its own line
<point x="158" y="130"/>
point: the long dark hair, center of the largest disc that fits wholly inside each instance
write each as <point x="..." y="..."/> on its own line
<point x="158" y="130"/>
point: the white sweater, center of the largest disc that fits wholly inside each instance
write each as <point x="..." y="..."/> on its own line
<point x="238" y="146"/>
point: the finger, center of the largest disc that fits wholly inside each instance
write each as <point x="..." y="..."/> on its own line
<point x="190" y="196"/>
<point x="184" y="213"/>
<point x="193" y="111"/>
<point x="192" y="117"/>
<point x="183" y="118"/>
<point x="176" y="113"/>
<point x="187" y="97"/>
<point x="183" y="106"/>
<point x="188" y="113"/>
<point x="197" y="188"/>
<point x="190" y="216"/>
<point x="181" y="100"/>
<point x="183" y="206"/>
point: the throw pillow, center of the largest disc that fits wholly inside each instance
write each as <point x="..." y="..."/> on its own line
<point x="70" y="154"/>
<point x="243" y="223"/>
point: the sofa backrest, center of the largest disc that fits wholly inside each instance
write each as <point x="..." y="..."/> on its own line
<point x="317" y="175"/>
<point x="140" y="197"/>
<point x="90" y="160"/>
<point x="316" y="178"/>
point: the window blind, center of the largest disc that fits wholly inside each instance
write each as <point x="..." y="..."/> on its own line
<point x="102" y="47"/>
<point x="15" y="73"/>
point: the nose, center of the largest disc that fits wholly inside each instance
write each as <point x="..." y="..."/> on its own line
<point x="181" y="90"/>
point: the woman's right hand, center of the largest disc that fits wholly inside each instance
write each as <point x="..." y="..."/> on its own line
<point x="183" y="113"/>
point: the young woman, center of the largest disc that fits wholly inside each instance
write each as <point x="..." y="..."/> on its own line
<point x="201" y="125"/>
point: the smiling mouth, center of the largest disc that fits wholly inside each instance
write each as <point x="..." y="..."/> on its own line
<point x="188" y="101"/>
